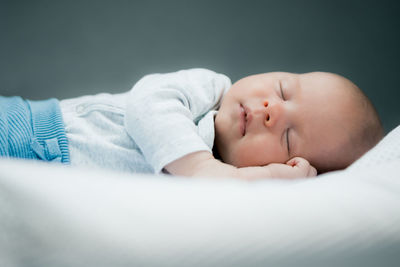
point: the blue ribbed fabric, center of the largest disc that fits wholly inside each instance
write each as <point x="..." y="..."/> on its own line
<point x="32" y="130"/>
<point x="15" y="128"/>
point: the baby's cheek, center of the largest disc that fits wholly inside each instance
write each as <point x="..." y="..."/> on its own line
<point x="247" y="156"/>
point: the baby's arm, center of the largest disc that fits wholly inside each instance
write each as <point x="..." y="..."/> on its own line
<point x="164" y="113"/>
<point x="203" y="163"/>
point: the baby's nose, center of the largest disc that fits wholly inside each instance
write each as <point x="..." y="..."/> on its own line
<point x="267" y="117"/>
<point x="273" y="112"/>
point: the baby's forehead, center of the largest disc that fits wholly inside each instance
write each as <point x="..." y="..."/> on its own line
<point x="316" y="79"/>
<point x="326" y="78"/>
<point x="327" y="102"/>
<point x="328" y="84"/>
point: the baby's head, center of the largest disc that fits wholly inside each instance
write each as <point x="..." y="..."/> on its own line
<point x="272" y="117"/>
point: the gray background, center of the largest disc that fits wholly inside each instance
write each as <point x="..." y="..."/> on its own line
<point x="66" y="49"/>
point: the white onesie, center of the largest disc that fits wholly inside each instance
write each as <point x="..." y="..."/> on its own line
<point x="162" y="118"/>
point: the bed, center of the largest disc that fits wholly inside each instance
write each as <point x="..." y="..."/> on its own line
<point x="52" y="215"/>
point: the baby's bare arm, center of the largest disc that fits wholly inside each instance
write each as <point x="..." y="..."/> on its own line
<point x="201" y="163"/>
<point x="204" y="164"/>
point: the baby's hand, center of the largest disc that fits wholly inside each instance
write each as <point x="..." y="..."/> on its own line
<point x="294" y="168"/>
<point x="202" y="163"/>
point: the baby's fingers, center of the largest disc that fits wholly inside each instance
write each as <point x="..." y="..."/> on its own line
<point x="303" y="165"/>
<point x="298" y="162"/>
<point x="312" y="172"/>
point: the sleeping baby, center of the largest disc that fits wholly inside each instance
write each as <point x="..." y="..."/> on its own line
<point x="196" y="123"/>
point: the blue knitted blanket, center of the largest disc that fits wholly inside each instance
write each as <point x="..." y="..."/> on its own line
<point x="32" y="130"/>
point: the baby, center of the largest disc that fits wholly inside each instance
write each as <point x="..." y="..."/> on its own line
<point x="196" y="123"/>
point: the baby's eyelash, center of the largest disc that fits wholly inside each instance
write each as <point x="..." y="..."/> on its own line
<point x="280" y="87"/>
<point x="287" y="140"/>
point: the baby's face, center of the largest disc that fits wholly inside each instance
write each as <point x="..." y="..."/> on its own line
<point x="272" y="117"/>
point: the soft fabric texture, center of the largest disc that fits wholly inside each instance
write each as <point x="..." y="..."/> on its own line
<point x="386" y="151"/>
<point x="162" y="118"/>
<point x="32" y="130"/>
<point x="55" y="216"/>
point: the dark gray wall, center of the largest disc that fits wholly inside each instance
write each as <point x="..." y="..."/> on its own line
<point x="69" y="48"/>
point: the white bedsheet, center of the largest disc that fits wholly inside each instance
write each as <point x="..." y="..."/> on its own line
<point x="58" y="216"/>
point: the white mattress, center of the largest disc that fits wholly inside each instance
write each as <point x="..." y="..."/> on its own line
<point x="57" y="216"/>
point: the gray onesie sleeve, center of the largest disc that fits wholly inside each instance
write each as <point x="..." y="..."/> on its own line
<point x="163" y="112"/>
